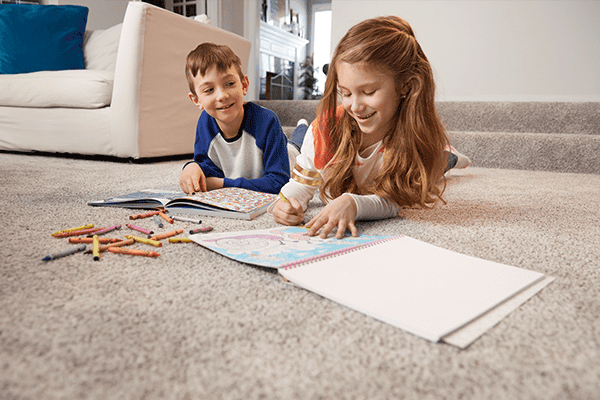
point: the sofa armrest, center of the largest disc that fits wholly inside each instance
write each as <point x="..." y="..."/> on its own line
<point x="152" y="115"/>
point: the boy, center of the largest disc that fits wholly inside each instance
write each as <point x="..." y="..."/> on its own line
<point x="237" y="144"/>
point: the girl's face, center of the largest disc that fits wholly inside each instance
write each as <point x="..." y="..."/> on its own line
<point x="370" y="97"/>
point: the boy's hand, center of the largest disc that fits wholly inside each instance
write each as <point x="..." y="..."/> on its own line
<point x="339" y="213"/>
<point x="288" y="213"/>
<point x="192" y="179"/>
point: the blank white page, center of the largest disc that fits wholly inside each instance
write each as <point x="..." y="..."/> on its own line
<point x="415" y="286"/>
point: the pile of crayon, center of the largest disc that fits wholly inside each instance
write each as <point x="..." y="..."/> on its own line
<point x="99" y="244"/>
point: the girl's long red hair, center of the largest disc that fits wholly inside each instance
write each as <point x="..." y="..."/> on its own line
<point x="412" y="171"/>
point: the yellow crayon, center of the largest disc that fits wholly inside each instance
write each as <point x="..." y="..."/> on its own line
<point x="180" y="240"/>
<point x="96" y="248"/>
<point x="88" y="226"/>
<point x="77" y="233"/>
<point x="133" y="252"/>
<point x="144" y="240"/>
<point x="166" y="234"/>
<point x="282" y="196"/>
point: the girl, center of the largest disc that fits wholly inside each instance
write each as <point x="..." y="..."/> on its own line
<point x="384" y="147"/>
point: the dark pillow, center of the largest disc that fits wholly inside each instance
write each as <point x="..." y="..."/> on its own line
<point x="41" y="37"/>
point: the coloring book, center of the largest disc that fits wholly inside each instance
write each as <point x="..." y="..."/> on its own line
<point x="232" y="202"/>
<point x="420" y="288"/>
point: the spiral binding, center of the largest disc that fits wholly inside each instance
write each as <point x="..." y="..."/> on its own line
<point x="332" y="254"/>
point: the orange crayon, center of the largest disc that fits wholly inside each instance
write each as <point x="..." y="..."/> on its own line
<point x="117" y="244"/>
<point x="166" y="217"/>
<point x="133" y="252"/>
<point x="88" y="226"/>
<point x="91" y="240"/>
<point x="77" y="233"/>
<point x="144" y="215"/>
<point x="166" y="234"/>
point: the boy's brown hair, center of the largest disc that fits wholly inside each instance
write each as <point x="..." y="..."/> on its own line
<point x="207" y="55"/>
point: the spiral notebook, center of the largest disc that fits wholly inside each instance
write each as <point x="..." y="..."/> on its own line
<point x="420" y="288"/>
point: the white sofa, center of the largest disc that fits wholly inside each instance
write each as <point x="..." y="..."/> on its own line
<point x="130" y="100"/>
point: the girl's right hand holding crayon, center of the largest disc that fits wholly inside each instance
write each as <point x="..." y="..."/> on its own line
<point x="288" y="212"/>
<point x="192" y="179"/>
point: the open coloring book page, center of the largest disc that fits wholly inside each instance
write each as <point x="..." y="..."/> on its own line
<point x="278" y="247"/>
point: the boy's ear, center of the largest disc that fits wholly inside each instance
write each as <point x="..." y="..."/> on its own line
<point x="245" y="85"/>
<point x="195" y="100"/>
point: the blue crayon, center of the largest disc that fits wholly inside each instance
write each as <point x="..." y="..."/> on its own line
<point x="66" y="252"/>
<point x="155" y="218"/>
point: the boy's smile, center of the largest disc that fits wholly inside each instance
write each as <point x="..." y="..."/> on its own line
<point x="221" y="95"/>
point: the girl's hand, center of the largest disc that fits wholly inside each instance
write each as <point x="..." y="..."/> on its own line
<point x="288" y="213"/>
<point x="192" y="179"/>
<point x="339" y="213"/>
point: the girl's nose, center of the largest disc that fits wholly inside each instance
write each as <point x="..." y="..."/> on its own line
<point x="357" y="104"/>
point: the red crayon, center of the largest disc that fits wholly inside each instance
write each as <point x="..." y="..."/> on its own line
<point x="90" y="240"/>
<point x="133" y="252"/>
<point x="139" y="229"/>
<point x="204" y="229"/>
<point x="106" y="230"/>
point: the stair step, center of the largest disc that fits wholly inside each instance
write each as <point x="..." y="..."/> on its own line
<point x="542" y="136"/>
<point x="530" y="151"/>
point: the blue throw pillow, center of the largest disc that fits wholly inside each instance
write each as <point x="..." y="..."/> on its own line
<point x="41" y="37"/>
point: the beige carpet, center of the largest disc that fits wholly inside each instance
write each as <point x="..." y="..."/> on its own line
<point x="194" y="325"/>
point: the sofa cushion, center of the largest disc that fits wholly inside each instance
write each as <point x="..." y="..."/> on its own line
<point x="75" y="89"/>
<point x="100" y="48"/>
<point x="42" y="37"/>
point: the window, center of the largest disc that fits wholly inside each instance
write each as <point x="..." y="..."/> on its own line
<point x="321" y="40"/>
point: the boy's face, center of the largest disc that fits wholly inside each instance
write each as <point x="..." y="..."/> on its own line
<point x="221" y="95"/>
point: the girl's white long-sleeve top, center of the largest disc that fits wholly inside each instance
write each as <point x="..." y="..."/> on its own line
<point x="307" y="178"/>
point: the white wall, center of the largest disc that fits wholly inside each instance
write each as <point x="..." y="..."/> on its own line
<point x="102" y="13"/>
<point x="498" y="50"/>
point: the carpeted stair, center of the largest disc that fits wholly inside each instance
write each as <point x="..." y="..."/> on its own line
<point x="542" y="136"/>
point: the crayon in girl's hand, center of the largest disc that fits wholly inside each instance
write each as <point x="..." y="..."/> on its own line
<point x="201" y="230"/>
<point x="282" y="196"/>
<point x="66" y="252"/>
